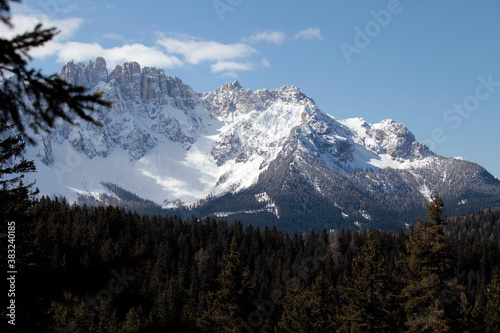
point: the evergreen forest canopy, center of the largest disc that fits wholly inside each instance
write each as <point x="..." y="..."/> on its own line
<point x="105" y="269"/>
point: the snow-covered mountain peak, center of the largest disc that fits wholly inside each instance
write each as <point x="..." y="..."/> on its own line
<point x="236" y="85"/>
<point x="256" y="127"/>
<point x="85" y="75"/>
<point x="167" y="143"/>
<point x="387" y="138"/>
<point x="288" y="94"/>
<point x="230" y="86"/>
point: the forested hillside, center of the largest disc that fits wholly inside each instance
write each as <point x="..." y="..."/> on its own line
<point x="484" y="225"/>
<point x="105" y="269"/>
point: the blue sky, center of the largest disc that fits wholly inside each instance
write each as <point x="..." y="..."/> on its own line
<point x="434" y="66"/>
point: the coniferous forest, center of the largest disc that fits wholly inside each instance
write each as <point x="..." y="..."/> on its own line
<point x="105" y="269"/>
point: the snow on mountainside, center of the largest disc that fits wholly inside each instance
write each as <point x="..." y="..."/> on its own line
<point x="168" y="144"/>
<point x="163" y="141"/>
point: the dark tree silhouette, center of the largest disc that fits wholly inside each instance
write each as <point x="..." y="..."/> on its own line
<point x="15" y="196"/>
<point x="26" y="91"/>
<point x="30" y="98"/>
<point x="432" y="292"/>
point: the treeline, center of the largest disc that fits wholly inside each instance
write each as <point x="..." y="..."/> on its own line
<point x="483" y="225"/>
<point x="105" y="269"/>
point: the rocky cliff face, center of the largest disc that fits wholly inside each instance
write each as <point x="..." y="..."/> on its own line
<point x="169" y="144"/>
<point x="139" y="94"/>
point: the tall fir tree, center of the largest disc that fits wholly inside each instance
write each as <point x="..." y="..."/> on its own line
<point x="309" y="309"/>
<point x="492" y="315"/>
<point x="233" y="300"/>
<point x="29" y="99"/>
<point x="432" y="294"/>
<point x="15" y="196"/>
<point x="368" y="294"/>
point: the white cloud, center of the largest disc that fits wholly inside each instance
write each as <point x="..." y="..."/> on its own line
<point x="265" y="62"/>
<point x="196" y="52"/>
<point x="144" y="55"/>
<point x="48" y="49"/>
<point x="311" y="33"/>
<point x="168" y="52"/>
<point x="25" y="23"/>
<point x="276" y="37"/>
<point x="231" y="66"/>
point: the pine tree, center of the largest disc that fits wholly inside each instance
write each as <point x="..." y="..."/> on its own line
<point x="431" y="292"/>
<point x="233" y="300"/>
<point x="297" y="309"/>
<point x="492" y="315"/>
<point x="309" y="309"/>
<point x="132" y="321"/>
<point x="15" y="196"/>
<point x="27" y="92"/>
<point x="31" y="99"/>
<point x="467" y="320"/>
<point x="367" y="295"/>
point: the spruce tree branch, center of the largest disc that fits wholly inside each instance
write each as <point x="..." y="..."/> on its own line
<point x="29" y="94"/>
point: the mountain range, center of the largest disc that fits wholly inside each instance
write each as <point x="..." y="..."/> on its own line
<point x="270" y="157"/>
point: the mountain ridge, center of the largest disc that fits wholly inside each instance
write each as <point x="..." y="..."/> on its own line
<point x="166" y="143"/>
